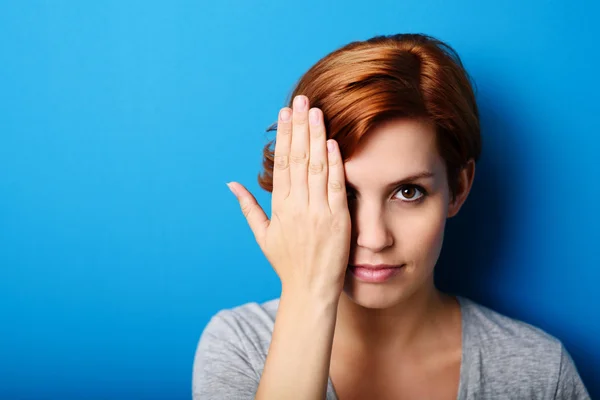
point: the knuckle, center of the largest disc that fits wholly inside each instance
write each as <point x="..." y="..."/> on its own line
<point x="316" y="132"/>
<point x="319" y="221"/>
<point x="246" y="208"/>
<point x="300" y="118"/>
<point x="316" y="167"/>
<point x="281" y="162"/>
<point x="333" y="161"/>
<point x="301" y="159"/>
<point x="298" y="215"/>
<point x="338" y="225"/>
<point x="284" y="128"/>
<point x="335" y="186"/>
<point x="317" y="214"/>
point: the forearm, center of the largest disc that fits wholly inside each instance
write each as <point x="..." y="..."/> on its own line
<point x="297" y="365"/>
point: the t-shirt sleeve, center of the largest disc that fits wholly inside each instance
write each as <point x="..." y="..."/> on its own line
<point x="222" y="369"/>
<point x="570" y="386"/>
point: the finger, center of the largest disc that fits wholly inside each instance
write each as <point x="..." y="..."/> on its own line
<point x="256" y="217"/>
<point x="317" y="167"/>
<point x="299" y="152"/>
<point x="336" y="183"/>
<point x="283" y="142"/>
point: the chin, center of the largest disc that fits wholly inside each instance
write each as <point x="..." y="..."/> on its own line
<point x="397" y="290"/>
<point x="375" y="301"/>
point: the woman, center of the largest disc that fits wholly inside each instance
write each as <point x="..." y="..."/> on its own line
<point x="375" y="152"/>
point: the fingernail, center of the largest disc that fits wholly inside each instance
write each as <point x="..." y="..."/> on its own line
<point x="231" y="188"/>
<point x="300" y="103"/>
<point x="285" y="115"/>
<point x="330" y="146"/>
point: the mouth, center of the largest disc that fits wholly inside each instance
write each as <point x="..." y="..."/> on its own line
<point x="375" y="273"/>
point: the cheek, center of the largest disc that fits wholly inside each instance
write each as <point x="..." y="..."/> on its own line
<point x="420" y="232"/>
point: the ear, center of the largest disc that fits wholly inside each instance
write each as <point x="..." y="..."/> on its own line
<point x="465" y="181"/>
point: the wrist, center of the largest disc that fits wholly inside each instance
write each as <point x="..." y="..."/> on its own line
<point x="324" y="301"/>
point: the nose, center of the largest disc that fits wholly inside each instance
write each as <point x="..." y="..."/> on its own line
<point x="370" y="230"/>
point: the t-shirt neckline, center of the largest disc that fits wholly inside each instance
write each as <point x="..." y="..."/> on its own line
<point x="463" y="304"/>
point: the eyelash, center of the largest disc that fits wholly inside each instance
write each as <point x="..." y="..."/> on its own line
<point x="417" y="187"/>
<point x="399" y="189"/>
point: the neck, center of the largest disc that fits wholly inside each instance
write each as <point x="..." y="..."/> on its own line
<point x="401" y="327"/>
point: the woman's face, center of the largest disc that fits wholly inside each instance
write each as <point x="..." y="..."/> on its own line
<point x="398" y="198"/>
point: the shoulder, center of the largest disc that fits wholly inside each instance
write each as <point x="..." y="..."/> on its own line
<point x="251" y="321"/>
<point x="509" y="334"/>
<point x="503" y="352"/>
<point x="247" y="327"/>
<point x="232" y="350"/>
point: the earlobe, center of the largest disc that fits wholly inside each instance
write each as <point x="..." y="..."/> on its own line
<point x="454" y="206"/>
<point x="465" y="181"/>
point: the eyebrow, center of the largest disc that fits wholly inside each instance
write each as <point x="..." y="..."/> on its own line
<point x="408" y="179"/>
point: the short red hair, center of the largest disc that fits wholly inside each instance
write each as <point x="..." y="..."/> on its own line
<point x="404" y="75"/>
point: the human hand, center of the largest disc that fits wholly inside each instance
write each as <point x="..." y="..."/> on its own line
<point x="307" y="239"/>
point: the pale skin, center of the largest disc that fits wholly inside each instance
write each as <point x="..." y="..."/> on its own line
<point x="388" y="340"/>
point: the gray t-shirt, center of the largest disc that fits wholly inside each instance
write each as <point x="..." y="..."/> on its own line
<point x="502" y="358"/>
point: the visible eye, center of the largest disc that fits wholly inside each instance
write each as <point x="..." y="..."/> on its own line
<point x="410" y="193"/>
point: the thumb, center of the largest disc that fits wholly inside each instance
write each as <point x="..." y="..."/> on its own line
<point x="255" y="215"/>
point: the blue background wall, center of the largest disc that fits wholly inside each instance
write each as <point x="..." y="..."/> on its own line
<point x="121" y="121"/>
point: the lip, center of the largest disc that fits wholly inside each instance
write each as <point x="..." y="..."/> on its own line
<point x="375" y="266"/>
<point x="378" y="273"/>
